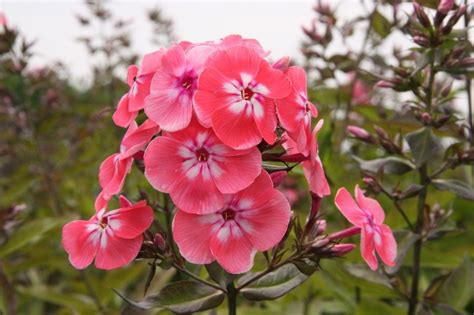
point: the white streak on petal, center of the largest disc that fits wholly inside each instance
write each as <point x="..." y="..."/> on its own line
<point x="184" y="152"/>
<point x="246" y="78"/>
<point x="245" y="203"/>
<point x="238" y="107"/>
<point x="223" y="233"/>
<point x="230" y="88"/>
<point x="193" y="172"/>
<point x="261" y="89"/>
<point x="257" y="108"/>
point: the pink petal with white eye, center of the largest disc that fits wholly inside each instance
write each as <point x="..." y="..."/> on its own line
<point x="237" y="172"/>
<point x="163" y="165"/>
<point x="232" y="250"/>
<point x="367" y="247"/>
<point x="235" y="61"/>
<point x="386" y="245"/>
<point x="257" y="194"/>
<point x="112" y="173"/>
<point x="115" y="252"/>
<point x="193" y="235"/>
<point x="196" y="57"/>
<point x="80" y="240"/>
<point x="174" y="61"/>
<point x="274" y="81"/>
<point x="316" y="177"/>
<point x="197" y="193"/>
<point x="211" y="95"/>
<point x="237" y="129"/>
<point x="131" y="221"/>
<point x="370" y="205"/>
<point x="349" y="208"/>
<point x="266" y="225"/>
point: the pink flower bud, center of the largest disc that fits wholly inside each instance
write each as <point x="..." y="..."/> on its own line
<point x="344" y="233"/>
<point x="425" y="118"/>
<point x="358" y="133"/>
<point x="278" y="177"/>
<point x="159" y="241"/>
<point x="321" y="224"/>
<point x="342" y="249"/>
<point x="384" y="84"/>
<point x="320" y="243"/>
<point x="445" y="6"/>
<point x="282" y="63"/>
<point x="421" y="15"/>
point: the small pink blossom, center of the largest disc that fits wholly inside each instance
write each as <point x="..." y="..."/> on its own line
<point x="367" y="214"/>
<point x="138" y="80"/>
<point x="358" y="132"/>
<point x="235" y="95"/>
<point x="255" y="218"/>
<point x="237" y="40"/>
<point x="197" y="169"/>
<point x="114" y="238"/>
<point x="114" y="169"/>
<point x="170" y="103"/>
<point x="360" y="92"/>
<point x="295" y="111"/>
<point x="445" y="6"/>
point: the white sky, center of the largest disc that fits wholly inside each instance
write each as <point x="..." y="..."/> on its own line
<point x="276" y="24"/>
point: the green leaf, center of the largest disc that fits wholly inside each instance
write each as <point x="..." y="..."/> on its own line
<point x="29" y="233"/>
<point x="182" y="297"/>
<point x="390" y="165"/>
<point x="457" y="289"/>
<point x="380" y="24"/>
<point x="219" y="275"/>
<point x="461" y="189"/>
<point x="423" y="145"/>
<point x="274" y="284"/>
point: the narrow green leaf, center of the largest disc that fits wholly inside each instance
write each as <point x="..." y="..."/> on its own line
<point x="423" y="145"/>
<point x="380" y="24"/>
<point x="274" y="284"/>
<point x="461" y="189"/>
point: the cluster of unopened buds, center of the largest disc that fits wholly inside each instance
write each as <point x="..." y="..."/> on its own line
<point x="220" y="128"/>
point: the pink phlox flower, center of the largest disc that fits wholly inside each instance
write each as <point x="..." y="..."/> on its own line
<point x="197" y="169"/>
<point x="367" y="214"/>
<point x="237" y="40"/>
<point x="254" y="219"/>
<point x="114" y="237"/>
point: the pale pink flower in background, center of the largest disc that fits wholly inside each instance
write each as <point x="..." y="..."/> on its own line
<point x="254" y="219"/>
<point x="3" y="19"/>
<point x="360" y="92"/>
<point x="367" y="214"/>
<point x="114" y="169"/>
<point x="295" y="111"/>
<point x="138" y="80"/>
<point x="313" y="167"/>
<point x="114" y="238"/>
<point x="235" y="95"/>
<point x="170" y="103"/>
<point x="197" y="169"/>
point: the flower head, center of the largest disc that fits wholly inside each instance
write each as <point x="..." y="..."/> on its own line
<point x="170" y="103"/>
<point x="235" y="95"/>
<point x="197" y="169"/>
<point x="255" y="218"/>
<point x="367" y="214"/>
<point x="138" y="80"/>
<point x="114" y="238"/>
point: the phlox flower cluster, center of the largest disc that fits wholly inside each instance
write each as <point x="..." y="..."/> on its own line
<point x="210" y="112"/>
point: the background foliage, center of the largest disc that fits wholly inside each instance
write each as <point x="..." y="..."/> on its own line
<point x="54" y="135"/>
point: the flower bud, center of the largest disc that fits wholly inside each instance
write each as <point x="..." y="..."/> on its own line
<point x="342" y="249"/>
<point x="359" y="133"/>
<point x="354" y="230"/>
<point x="321" y="226"/>
<point x="384" y="84"/>
<point x="278" y="177"/>
<point x="159" y="242"/>
<point x="320" y="243"/>
<point x="421" y="40"/>
<point x="445" y="6"/>
<point x="425" y="118"/>
<point x="282" y="63"/>
<point x="421" y="15"/>
<point x="454" y="19"/>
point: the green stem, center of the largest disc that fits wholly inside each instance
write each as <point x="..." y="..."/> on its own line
<point x="232" y="299"/>
<point x="418" y="245"/>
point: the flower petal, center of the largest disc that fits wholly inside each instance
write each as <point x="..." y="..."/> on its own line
<point x="266" y="225"/>
<point x="387" y="247"/>
<point x="193" y="235"/>
<point x="122" y="116"/>
<point x="367" y="248"/>
<point x="232" y="250"/>
<point x="137" y="139"/>
<point x="348" y="207"/>
<point x="131" y="221"/>
<point x="115" y="252"/>
<point x="370" y="205"/>
<point x="80" y="240"/>
<point x="267" y="122"/>
<point x="274" y="81"/>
